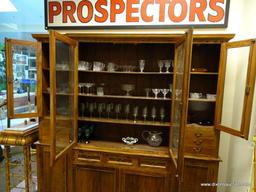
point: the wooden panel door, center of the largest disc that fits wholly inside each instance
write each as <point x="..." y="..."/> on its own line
<point x="183" y="52"/>
<point x="63" y="94"/>
<point x="24" y="86"/>
<point x="93" y="179"/>
<point x="143" y="182"/>
<point x="236" y="87"/>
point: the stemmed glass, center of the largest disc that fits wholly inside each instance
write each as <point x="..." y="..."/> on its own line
<point x="164" y="92"/>
<point x="167" y="65"/>
<point x="91" y="109"/>
<point x="127" y="111"/>
<point x="153" y="113"/>
<point x="156" y="91"/>
<point x="162" y="114"/>
<point x="117" y="110"/>
<point x="160" y="65"/>
<point x="88" y="86"/>
<point x="100" y="109"/>
<point x="128" y="88"/>
<point x="145" y="113"/>
<point x="142" y="65"/>
<point x="80" y="86"/>
<point x="109" y="109"/>
<point x="135" y="112"/>
<point x="147" y="90"/>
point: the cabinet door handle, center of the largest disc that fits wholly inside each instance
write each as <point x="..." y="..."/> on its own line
<point x="198" y="134"/>
<point x="198" y="142"/>
<point x="197" y="149"/>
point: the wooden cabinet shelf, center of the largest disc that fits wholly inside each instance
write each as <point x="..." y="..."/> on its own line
<point x="127" y="122"/>
<point x="121" y="148"/>
<point x="128" y="72"/>
<point x="202" y="100"/>
<point x="203" y="73"/>
<point x="126" y="97"/>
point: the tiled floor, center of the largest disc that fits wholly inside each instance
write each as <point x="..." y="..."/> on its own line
<point x="17" y="157"/>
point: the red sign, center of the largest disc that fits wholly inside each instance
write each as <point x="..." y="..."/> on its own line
<point x="136" y="13"/>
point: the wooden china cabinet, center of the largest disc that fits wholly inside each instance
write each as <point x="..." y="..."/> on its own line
<point x="99" y="89"/>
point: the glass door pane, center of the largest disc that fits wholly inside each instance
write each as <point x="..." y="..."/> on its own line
<point x="23" y="77"/>
<point x="62" y="92"/>
<point x="236" y="80"/>
<point x="180" y="98"/>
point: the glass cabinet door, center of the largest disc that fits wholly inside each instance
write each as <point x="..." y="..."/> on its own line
<point x="63" y="93"/>
<point x="236" y="87"/>
<point x="23" y="69"/>
<point x="179" y="98"/>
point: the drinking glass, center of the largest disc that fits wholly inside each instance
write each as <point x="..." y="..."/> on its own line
<point x="117" y="110"/>
<point x="100" y="109"/>
<point x="153" y="113"/>
<point x="147" y="90"/>
<point x="145" y="113"/>
<point x="128" y="88"/>
<point x="160" y="65"/>
<point x="156" y="91"/>
<point x="162" y="114"/>
<point x="80" y="86"/>
<point x="127" y="110"/>
<point x="167" y="65"/>
<point x="109" y="109"/>
<point x="88" y="86"/>
<point x="135" y="112"/>
<point x="164" y="92"/>
<point x="142" y="65"/>
<point x="91" y="109"/>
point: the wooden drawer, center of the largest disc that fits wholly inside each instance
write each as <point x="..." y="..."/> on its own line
<point x="201" y="140"/>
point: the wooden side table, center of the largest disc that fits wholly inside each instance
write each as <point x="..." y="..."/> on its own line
<point x="24" y="137"/>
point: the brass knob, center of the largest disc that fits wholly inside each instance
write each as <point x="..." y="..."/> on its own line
<point x="197" y="149"/>
<point x="198" y="142"/>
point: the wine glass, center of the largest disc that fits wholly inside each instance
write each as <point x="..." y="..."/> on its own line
<point x="145" y="113"/>
<point x="153" y="113"/>
<point x="91" y="109"/>
<point x="160" y="65"/>
<point x="142" y="65"/>
<point x="88" y="86"/>
<point x="135" y="112"/>
<point x="167" y="65"/>
<point x="162" y="114"/>
<point x="117" y="110"/>
<point x="100" y="109"/>
<point x="128" y="88"/>
<point x="156" y="91"/>
<point x="164" y="92"/>
<point x="127" y="110"/>
<point x="80" y="85"/>
<point x="109" y="109"/>
<point x="147" y="90"/>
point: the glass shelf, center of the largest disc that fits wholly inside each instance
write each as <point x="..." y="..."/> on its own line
<point x="130" y="72"/>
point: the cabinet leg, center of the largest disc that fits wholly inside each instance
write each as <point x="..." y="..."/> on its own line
<point x="7" y="168"/>
<point x="27" y="167"/>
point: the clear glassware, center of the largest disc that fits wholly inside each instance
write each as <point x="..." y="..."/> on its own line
<point x="167" y="65"/>
<point x="147" y="90"/>
<point x="117" y="110"/>
<point x="100" y="109"/>
<point x="145" y="113"/>
<point x="80" y="86"/>
<point x="91" y="109"/>
<point x="82" y="109"/>
<point x="135" y="112"/>
<point x="153" y="113"/>
<point x="142" y="65"/>
<point x="160" y="65"/>
<point x="164" y="92"/>
<point x="162" y="114"/>
<point x="109" y="108"/>
<point x="128" y="88"/>
<point x="127" y="110"/>
<point x="88" y="86"/>
<point x="156" y="92"/>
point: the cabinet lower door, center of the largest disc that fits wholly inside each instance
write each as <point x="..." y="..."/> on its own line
<point x="200" y="176"/>
<point x="93" y="179"/>
<point x="144" y="182"/>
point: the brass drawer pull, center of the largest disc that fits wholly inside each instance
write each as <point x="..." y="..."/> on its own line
<point x="198" y="142"/>
<point x="197" y="149"/>
<point x="120" y="163"/>
<point x="198" y="134"/>
<point x="153" y="166"/>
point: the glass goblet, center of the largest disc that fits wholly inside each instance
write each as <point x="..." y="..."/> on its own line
<point x="147" y="90"/>
<point x="156" y="91"/>
<point x="127" y="110"/>
<point x="153" y="113"/>
<point x="128" y="88"/>
<point x="162" y="114"/>
<point x="160" y="65"/>
<point x="135" y="112"/>
<point x="167" y="65"/>
<point x="164" y="92"/>
<point x="142" y="65"/>
<point x="117" y="110"/>
<point x="88" y="86"/>
<point x="145" y="113"/>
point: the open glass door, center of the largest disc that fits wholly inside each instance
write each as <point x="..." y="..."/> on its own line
<point x="236" y="87"/>
<point x="23" y="70"/>
<point x="63" y="94"/>
<point x="183" y="51"/>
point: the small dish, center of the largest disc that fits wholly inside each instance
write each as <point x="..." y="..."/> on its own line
<point x="130" y="140"/>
